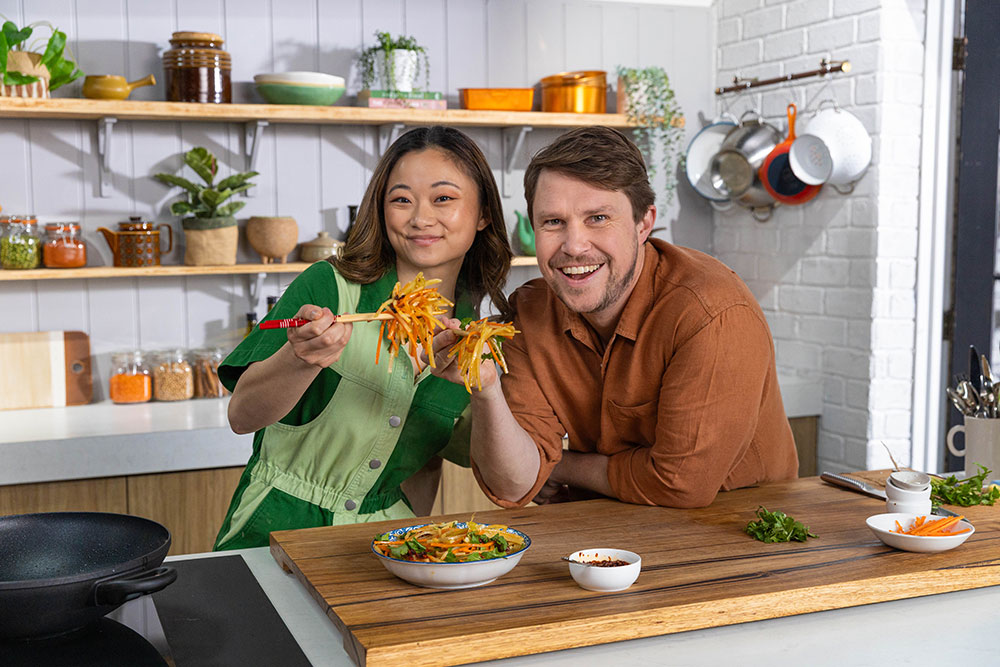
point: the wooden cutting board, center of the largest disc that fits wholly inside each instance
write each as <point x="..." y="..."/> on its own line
<point x="699" y="570"/>
<point x="44" y="369"/>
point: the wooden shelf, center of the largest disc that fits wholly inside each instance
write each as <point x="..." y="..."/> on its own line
<point x="149" y="271"/>
<point x="160" y="271"/>
<point x="83" y="109"/>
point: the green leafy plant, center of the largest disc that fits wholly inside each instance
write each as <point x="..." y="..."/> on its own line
<point x="776" y="527"/>
<point x="650" y="105"/>
<point x="62" y="70"/>
<point x="380" y="54"/>
<point x="965" y="493"/>
<point x="206" y="201"/>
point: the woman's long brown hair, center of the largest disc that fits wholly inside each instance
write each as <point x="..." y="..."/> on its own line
<point x="367" y="253"/>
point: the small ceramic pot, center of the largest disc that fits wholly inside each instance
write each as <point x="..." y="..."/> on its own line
<point x="272" y="237"/>
<point x="319" y="248"/>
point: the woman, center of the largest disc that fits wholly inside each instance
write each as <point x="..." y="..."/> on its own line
<point x="336" y="434"/>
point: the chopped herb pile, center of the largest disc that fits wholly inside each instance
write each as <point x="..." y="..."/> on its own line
<point x="965" y="493"/>
<point x="777" y="527"/>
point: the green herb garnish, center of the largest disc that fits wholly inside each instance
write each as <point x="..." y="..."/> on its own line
<point x="966" y="493"/>
<point x="776" y="527"/>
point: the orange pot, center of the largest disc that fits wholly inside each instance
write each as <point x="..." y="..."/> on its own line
<point x="576" y="92"/>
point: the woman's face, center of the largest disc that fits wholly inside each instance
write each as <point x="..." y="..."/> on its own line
<point x="432" y="214"/>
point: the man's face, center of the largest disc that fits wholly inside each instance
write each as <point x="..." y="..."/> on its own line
<point x="588" y="244"/>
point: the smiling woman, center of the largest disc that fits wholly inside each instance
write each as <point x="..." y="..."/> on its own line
<point x="339" y="439"/>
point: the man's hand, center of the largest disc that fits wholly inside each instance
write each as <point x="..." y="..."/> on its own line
<point x="447" y="367"/>
<point x="321" y="342"/>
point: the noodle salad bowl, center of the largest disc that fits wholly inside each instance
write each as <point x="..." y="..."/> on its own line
<point x="472" y="562"/>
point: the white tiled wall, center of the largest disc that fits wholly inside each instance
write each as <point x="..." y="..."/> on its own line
<point x="836" y="276"/>
<point x="310" y="172"/>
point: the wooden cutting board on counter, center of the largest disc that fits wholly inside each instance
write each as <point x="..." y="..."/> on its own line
<point x="699" y="570"/>
<point x="44" y="369"/>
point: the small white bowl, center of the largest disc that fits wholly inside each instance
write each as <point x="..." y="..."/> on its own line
<point x="301" y="78"/>
<point x="883" y="525"/>
<point x="451" y="575"/>
<point x="605" y="579"/>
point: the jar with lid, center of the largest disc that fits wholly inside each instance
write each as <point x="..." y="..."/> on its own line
<point x="173" y="378"/>
<point x="20" y="245"/>
<point x="206" y="373"/>
<point x="130" y="379"/>
<point x="197" y="69"/>
<point x="63" y="248"/>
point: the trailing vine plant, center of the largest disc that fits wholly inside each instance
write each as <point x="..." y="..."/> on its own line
<point x="650" y="105"/>
<point x="380" y="53"/>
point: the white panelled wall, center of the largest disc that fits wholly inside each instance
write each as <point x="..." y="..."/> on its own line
<point x="836" y="276"/>
<point x="312" y="173"/>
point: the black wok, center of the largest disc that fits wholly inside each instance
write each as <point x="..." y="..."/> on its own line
<point x="60" y="571"/>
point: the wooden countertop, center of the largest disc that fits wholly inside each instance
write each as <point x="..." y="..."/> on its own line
<point x="699" y="571"/>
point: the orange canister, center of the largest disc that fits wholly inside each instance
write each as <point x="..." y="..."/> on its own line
<point x="577" y="92"/>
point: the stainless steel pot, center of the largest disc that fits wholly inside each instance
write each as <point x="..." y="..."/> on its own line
<point x="734" y="167"/>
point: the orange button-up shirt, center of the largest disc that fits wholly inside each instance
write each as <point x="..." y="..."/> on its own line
<point x="683" y="399"/>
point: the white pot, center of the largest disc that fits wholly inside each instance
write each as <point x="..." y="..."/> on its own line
<point x="847" y="141"/>
<point x="396" y="70"/>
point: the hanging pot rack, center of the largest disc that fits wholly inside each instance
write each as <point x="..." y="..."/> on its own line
<point x="825" y="67"/>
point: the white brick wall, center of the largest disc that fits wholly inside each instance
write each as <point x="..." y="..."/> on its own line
<point x="836" y="276"/>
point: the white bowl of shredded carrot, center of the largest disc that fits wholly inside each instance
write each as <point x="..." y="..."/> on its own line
<point x="453" y="554"/>
<point x="920" y="532"/>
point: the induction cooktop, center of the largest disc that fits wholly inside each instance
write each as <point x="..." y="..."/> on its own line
<point x="214" y="614"/>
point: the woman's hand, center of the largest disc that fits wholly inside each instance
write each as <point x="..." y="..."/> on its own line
<point x="447" y="367"/>
<point x="321" y="342"/>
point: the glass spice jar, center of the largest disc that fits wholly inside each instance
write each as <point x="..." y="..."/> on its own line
<point x="64" y="249"/>
<point x="20" y="245"/>
<point x="130" y="380"/>
<point x="173" y="378"/>
<point x="206" y="374"/>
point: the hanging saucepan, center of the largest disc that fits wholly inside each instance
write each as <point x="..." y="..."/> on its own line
<point x="60" y="571"/>
<point x="734" y="168"/>
<point x="776" y="173"/>
<point x="699" y="155"/>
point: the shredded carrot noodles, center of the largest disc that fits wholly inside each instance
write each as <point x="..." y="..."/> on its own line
<point x="481" y="338"/>
<point x="414" y="308"/>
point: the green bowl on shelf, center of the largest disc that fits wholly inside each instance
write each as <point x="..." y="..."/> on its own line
<point x="287" y="93"/>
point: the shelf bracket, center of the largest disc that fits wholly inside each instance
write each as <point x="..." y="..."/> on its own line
<point x="512" y="138"/>
<point x="386" y="135"/>
<point x="105" y="131"/>
<point x="255" y="290"/>
<point x="253" y="131"/>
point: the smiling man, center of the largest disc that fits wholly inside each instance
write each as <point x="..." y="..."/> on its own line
<point x="655" y="360"/>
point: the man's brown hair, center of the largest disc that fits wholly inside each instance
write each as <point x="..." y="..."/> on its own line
<point x="600" y="156"/>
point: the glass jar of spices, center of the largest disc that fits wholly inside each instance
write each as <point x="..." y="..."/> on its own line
<point x="20" y="245"/>
<point x="64" y="249"/>
<point x="197" y="69"/>
<point x="173" y="378"/>
<point x="206" y="373"/>
<point x="130" y="380"/>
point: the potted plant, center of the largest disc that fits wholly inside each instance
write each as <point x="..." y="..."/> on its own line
<point x="645" y="96"/>
<point x="394" y="64"/>
<point x="210" y="228"/>
<point x="25" y="71"/>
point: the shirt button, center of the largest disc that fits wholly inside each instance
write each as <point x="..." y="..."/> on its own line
<point x="374" y="463"/>
<point x="350" y="504"/>
<point x="395" y="421"/>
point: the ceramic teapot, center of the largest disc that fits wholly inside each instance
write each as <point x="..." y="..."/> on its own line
<point x="112" y="87"/>
<point x="137" y="243"/>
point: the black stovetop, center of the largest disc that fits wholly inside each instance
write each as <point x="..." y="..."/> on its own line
<point x="214" y="614"/>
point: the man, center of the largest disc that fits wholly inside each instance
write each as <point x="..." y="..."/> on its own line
<point x="655" y="360"/>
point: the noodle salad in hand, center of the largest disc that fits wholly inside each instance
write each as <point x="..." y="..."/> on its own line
<point x="414" y="308"/>
<point x="481" y="341"/>
<point x="450" y="542"/>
